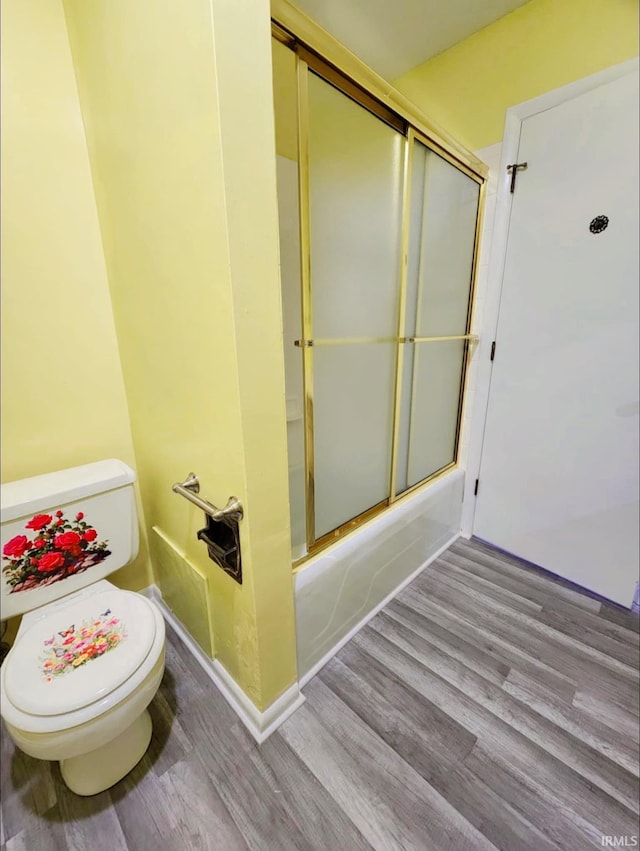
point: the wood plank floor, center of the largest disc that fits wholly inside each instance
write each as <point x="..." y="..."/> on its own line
<point x="488" y="706"/>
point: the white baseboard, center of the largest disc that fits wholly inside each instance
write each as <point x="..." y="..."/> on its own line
<point x="260" y="724"/>
<point x="328" y="656"/>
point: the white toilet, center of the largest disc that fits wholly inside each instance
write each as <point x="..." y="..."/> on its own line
<point x="88" y="657"/>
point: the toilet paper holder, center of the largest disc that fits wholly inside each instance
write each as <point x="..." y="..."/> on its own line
<point x="222" y="533"/>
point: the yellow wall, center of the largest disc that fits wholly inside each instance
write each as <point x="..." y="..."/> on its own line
<point x="63" y="399"/>
<point x="285" y="100"/>
<point x="540" y="46"/>
<point x="177" y="106"/>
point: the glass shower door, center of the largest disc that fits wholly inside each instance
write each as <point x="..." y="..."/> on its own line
<point x="442" y="225"/>
<point x="355" y="173"/>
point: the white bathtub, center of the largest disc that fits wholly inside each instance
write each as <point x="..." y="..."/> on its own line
<point x="338" y="591"/>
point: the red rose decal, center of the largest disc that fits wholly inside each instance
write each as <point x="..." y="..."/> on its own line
<point x="67" y="540"/>
<point x="39" y="521"/>
<point x="59" y="549"/>
<point x="16" y="546"/>
<point x="50" y="561"/>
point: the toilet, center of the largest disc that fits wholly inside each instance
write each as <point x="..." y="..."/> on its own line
<point x="88" y="657"/>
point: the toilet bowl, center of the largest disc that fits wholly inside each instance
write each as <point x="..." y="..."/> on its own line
<point x="85" y="665"/>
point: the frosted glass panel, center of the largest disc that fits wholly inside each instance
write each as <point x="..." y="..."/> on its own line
<point x="433" y="415"/>
<point x="353" y="410"/>
<point x="444" y="207"/>
<point x="406" y="391"/>
<point x="355" y="174"/>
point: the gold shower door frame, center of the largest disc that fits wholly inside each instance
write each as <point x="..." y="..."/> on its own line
<point x="415" y="129"/>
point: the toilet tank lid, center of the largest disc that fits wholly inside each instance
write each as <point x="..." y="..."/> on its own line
<point x="38" y="493"/>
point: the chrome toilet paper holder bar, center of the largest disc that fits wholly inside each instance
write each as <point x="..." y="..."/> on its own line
<point x="190" y="489"/>
<point x="221" y="534"/>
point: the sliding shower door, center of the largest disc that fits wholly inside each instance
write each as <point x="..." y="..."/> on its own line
<point x="355" y="170"/>
<point x="376" y="313"/>
<point x="443" y="213"/>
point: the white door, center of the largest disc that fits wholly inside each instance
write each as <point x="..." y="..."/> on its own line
<point x="558" y="481"/>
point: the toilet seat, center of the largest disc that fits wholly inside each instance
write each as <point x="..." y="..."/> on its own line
<point x="79" y="653"/>
<point x="91" y="695"/>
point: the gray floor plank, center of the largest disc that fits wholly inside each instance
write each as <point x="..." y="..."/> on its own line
<point x="141" y="804"/>
<point x="389" y="802"/>
<point x="614" y="613"/>
<point x="318" y="816"/>
<point x="28" y="788"/>
<point x="605" y="788"/>
<point x="400" y="716"/>
<point x="40" y="836"/>
<point x="257" y="808"/>
<point x="412" y="736"/>
<point x="576" y="619"/>
<point x="450" y="566"/>
<point x="197" y="817"/>
<point x="544" y="593"/>
<point x="89" y="822"/>
<point x="609" y="713"/>
<point x="570" y="828"/>
<point x="587" y="666"/>
<point x="498" y="649"/>
<point x="622" y="648"/>
<point x="525" y="573"/>
<point x="170" y="743"/>
<point x="447" y="641"/>
<point x="602" y="738"/>
<point x="528" y="626"/>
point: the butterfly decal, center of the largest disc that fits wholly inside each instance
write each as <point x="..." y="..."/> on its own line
<point x="65" y="632"/>
<point x="59" y="651"/>
<point x="50" y="641"/>
<point x="106" y="614"/>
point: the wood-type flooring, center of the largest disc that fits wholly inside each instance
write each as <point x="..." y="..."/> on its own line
<point x="488" y="706"/>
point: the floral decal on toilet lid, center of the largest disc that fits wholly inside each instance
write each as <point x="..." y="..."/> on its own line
<point x="76" y="645"/>
<point x="53" y="549"/>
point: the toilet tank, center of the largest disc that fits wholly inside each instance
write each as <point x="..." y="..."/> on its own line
<point x="63" y="531"/>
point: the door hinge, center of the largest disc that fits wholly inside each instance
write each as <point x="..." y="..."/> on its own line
<point x="475" y="490"/>
<point x="493" y="350"/>
<point x="513" y="170"/>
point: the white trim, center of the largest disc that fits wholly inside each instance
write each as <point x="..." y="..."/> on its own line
<point x="573" y="90"/>
<point x="328" y="656"/>
<point x="260" y="724"/>
<point x="515" y="116"/>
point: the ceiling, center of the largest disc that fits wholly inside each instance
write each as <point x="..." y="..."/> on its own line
<point x="393" y="36"/>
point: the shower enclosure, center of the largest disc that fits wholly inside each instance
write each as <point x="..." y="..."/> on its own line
<point x="379" y="225"/>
